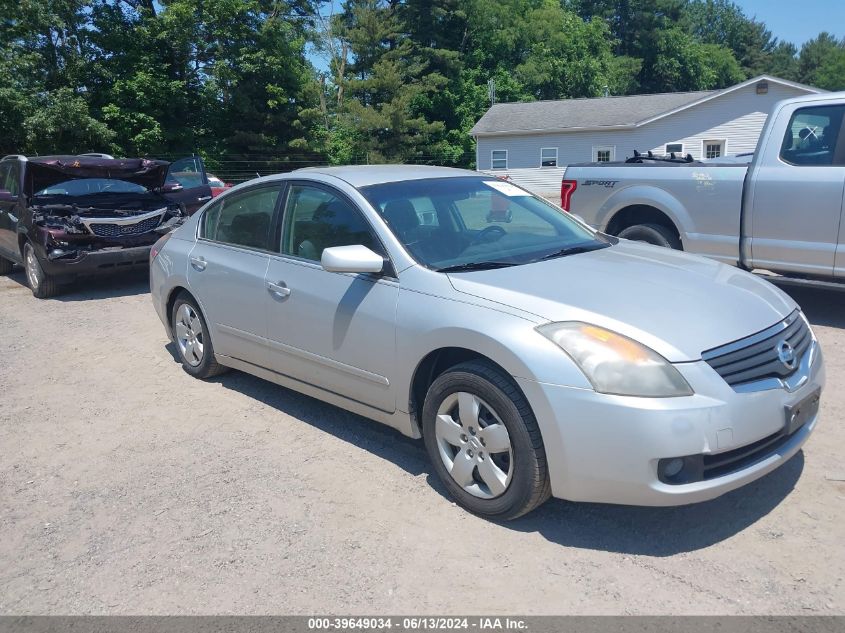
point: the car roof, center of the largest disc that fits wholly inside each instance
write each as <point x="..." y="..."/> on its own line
<point x="365" y="175"/>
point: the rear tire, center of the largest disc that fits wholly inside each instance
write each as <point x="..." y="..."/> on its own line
<point x="5" y="266"/>
<point x="42" y="285"/>
<point x="193" y="342"/>
<point x="656" y="234"/>
<point x="484" y="442"/>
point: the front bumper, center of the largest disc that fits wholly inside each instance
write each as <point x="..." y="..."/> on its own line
<point x="605" y="448"/>
<point x="97" y="262"/>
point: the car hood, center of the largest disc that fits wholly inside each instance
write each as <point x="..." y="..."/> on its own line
<point x="678" y="304"/>
<point x="47" y="171"/>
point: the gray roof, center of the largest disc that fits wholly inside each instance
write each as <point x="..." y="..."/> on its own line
<point x="364" y="175"/>
<point x="582" y="113"/>
<point x="573" y="114"/>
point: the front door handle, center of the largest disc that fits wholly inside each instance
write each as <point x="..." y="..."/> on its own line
<point x="199" y="263"/>
<point x="279" y="290"/>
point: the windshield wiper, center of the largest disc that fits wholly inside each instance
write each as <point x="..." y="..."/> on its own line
<point x="474" y="266"/>
<point x="574" y="250"/>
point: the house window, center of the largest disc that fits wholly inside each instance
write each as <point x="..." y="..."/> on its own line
<point x="604" y="153"/>
<point x="548" y="157"/>
<point x="714" y="149"/>
<point x="674" y="148"/>
<point x="499" y="159"/>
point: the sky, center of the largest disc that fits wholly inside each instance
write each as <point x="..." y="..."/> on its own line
<point x="797" y="21"/>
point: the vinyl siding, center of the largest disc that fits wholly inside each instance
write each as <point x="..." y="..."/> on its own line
<point x="737" y="117"/>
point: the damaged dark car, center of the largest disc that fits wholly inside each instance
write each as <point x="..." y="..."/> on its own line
<point x="65" y="217"/>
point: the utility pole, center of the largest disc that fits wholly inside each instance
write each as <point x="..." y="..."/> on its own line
<point x="491" y="91"/>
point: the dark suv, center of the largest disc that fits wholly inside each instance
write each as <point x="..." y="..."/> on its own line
<point x="64" y="217"/>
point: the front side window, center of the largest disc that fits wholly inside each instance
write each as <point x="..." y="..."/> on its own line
<point x="548" y="157"/>
<point x="187" y="172"/>
<point x="499" y="159"/>
<point x="244" y="219"/>
<point x="811" y="136"/>
<point x="316" y="219"/>
<point x="482" y="222"/>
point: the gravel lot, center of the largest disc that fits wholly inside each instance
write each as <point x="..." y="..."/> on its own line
<point x="127" y="487"/>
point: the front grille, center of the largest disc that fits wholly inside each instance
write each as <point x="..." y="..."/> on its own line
<point x="756" y="357"/>
<point x="119" y="230"/>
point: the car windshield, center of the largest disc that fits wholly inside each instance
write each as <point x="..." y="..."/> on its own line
<point x="468" y="223"/>
<point x="90" y="186"/>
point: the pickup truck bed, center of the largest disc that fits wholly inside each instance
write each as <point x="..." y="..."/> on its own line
<point x="704" y="198"/>
<point x="782" y="212"/>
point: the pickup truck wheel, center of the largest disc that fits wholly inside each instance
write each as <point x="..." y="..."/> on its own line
<point x="484" y="442"/>
<point x="42" y="285"/>
<point x="652" y="234"/>
<point x="5" y="266"/>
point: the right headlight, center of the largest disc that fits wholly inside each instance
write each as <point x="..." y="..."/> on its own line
<point x="616" y="364"/>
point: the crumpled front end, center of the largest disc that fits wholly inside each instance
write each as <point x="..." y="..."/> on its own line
<point x="74" y="239"/>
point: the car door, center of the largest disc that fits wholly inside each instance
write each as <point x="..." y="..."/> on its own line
<point x="9" y="199"/>
<point x="227" y="267"/>
<point x="332" y="330"/>
<point x="798" y="192"/>
<point x="190" y="174"/>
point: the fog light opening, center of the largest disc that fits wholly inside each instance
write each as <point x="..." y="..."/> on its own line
<point x="680" y="470"/>
<point x="673" y="467"/>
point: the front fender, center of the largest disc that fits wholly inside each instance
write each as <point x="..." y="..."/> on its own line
<point x="426" y="323"/>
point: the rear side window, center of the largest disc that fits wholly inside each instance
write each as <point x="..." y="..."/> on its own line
<point x="244" y="219"/>
<point x="9" y="177"/>
<point x="811" y="137"/>
<point x="316" y="219"/>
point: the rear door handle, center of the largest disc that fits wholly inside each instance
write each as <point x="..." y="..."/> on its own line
<point x="203" y="198"/>
<point x="279" y="290"/>
<point x="199" y="263"/>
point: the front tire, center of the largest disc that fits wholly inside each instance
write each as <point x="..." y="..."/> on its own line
<point x="484" y="442"/>
<point x="656" y="234"/>
<point x="42" y="285"/>
<point x="193" y="343"/>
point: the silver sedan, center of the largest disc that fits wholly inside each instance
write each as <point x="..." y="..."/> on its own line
<point x="534" y="356"/>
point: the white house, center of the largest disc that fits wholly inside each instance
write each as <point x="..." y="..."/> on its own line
<point x="533" y="142"/>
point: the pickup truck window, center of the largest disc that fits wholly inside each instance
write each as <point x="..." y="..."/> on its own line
<point x="810" y="138"/>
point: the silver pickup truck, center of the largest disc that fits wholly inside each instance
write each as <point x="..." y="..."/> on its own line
<point x="782" y="212"/>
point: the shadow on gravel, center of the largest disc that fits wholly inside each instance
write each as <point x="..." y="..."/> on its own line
<point x="381" y="440"/>
<point x="94" y="288"/>
<point x="661" y="531"/>
<point x="612" y="528"/>
<point x="822" y="307"/>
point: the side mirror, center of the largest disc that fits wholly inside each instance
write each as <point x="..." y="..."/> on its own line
<point x="170" y="187"/>
<point x="351" y="259"/>
<point x="7" y="196"/>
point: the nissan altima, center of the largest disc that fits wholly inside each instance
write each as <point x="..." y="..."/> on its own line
<point x="533" y="356"/>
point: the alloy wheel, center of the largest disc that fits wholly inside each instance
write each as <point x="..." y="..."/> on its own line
<point x="189" y="334"/>
<point x="33" y="272"/>
<point x="474" y="445"/>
